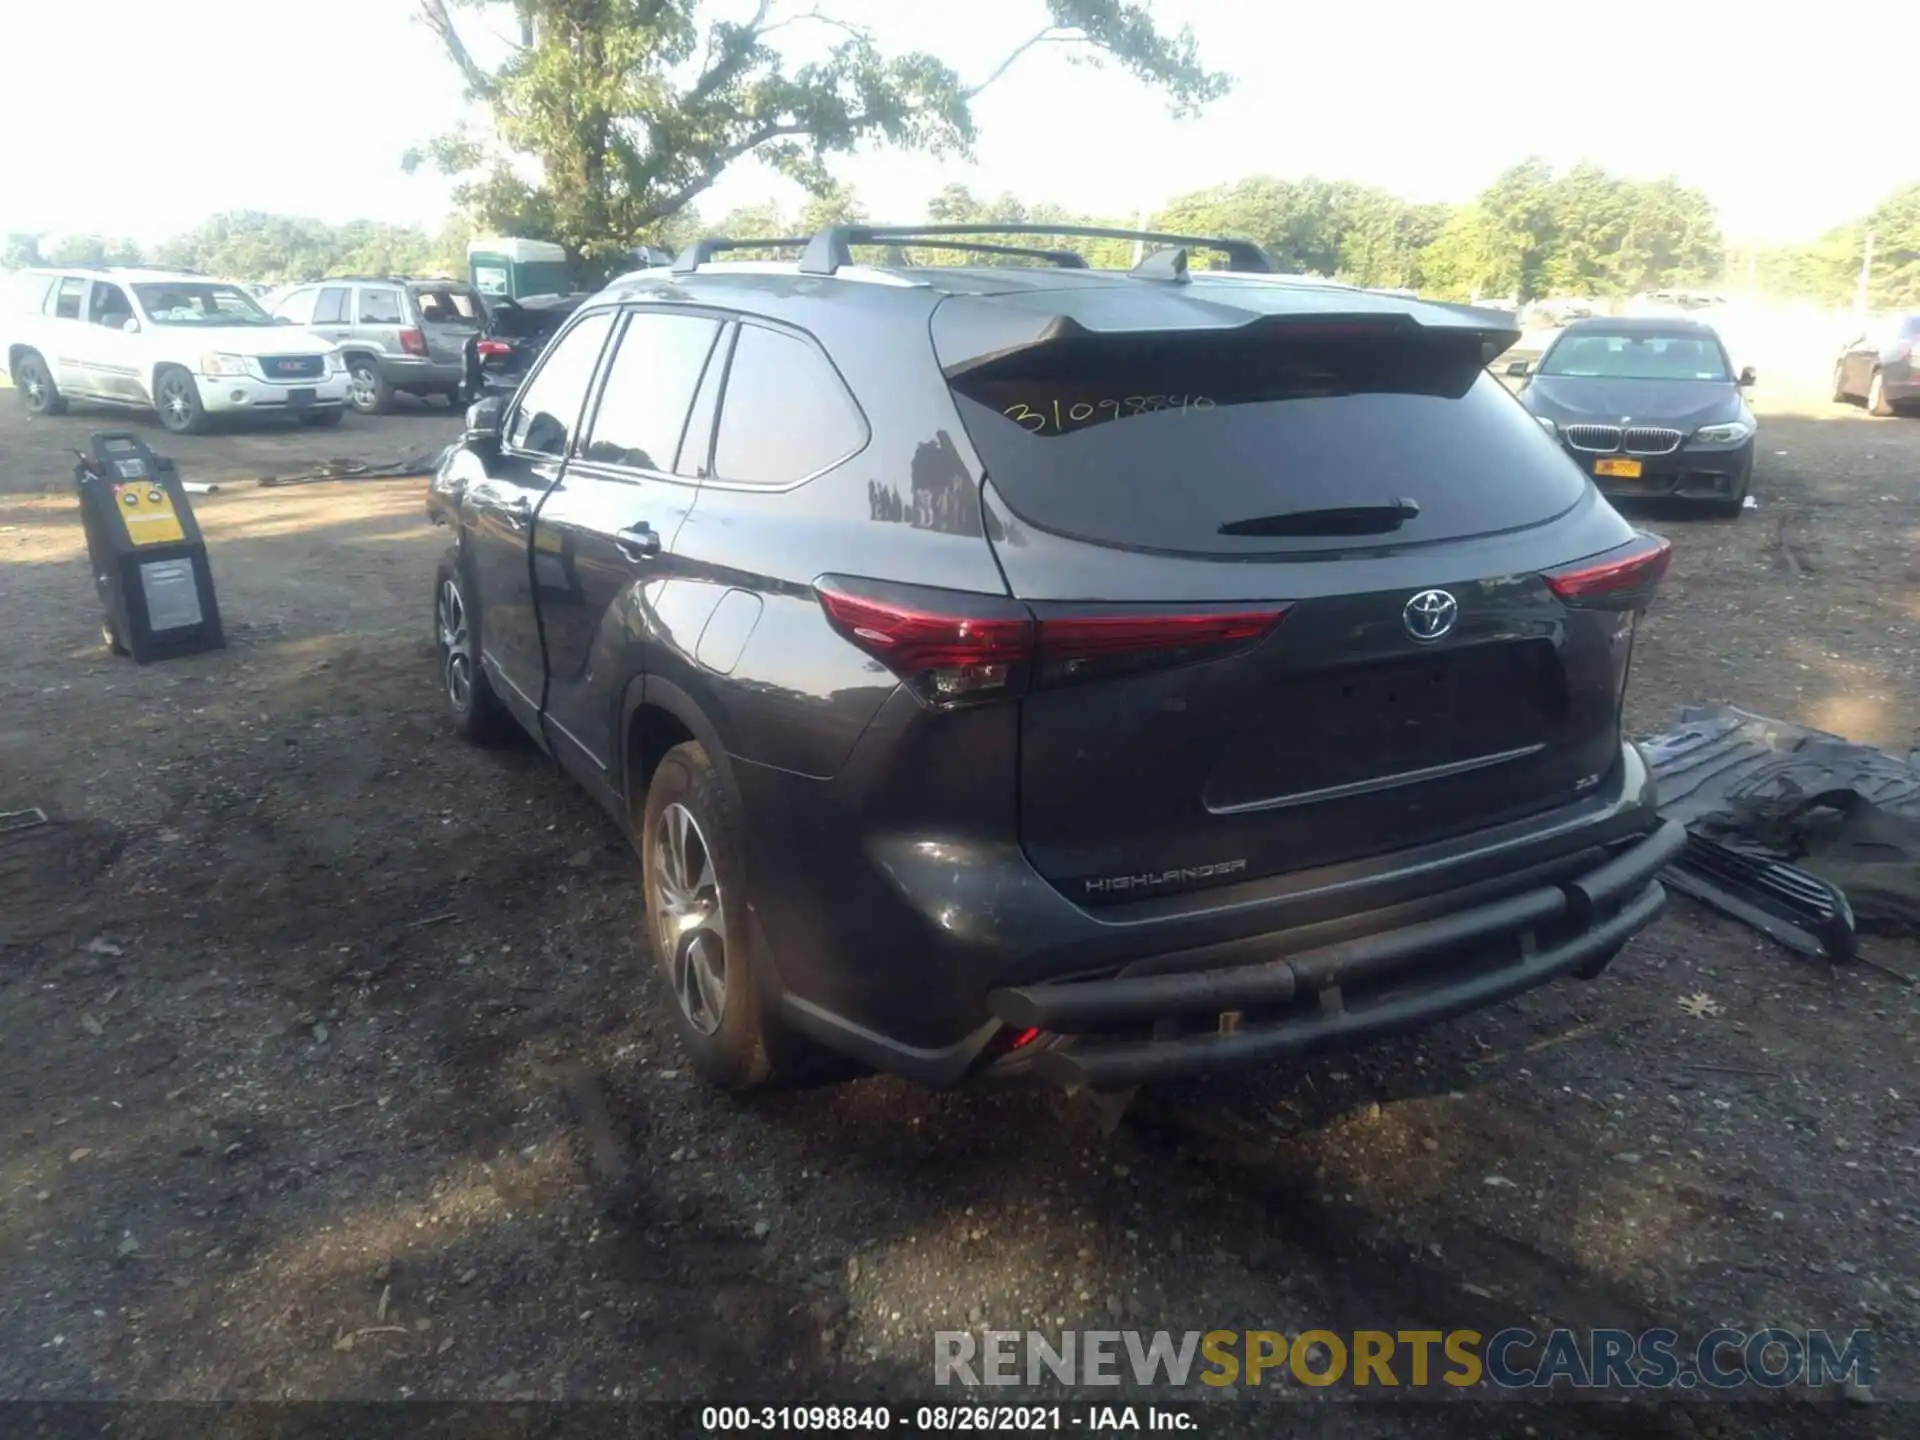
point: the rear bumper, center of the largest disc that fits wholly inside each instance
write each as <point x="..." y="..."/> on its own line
<point x="1340" y="995"/>
<point x="1686" y="474"/>
<point x="414" y="372"/>
<point x="927" y="953"/>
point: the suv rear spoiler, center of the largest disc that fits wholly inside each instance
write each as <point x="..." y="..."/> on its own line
<point x="972" y="332"/>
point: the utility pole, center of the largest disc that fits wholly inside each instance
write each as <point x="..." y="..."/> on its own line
<point x="1866" y="276"/>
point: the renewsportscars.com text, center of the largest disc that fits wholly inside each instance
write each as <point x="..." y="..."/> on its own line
<point x="1772" y="1358"/>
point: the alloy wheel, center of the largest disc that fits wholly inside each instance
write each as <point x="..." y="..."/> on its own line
<point x="456" y="652"/>
<point x="176" y="405"/>
<point x="690" y="918"/>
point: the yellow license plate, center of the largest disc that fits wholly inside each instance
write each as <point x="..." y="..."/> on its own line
<point x="1618" y="469"/>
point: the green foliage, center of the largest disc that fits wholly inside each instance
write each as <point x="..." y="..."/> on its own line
<point x="1527" y="234"/>
<point x="250" y="245"/>
<point x="83" y="249"/>
<point x="633" y="108"/>
<point x="1828" y="269"/>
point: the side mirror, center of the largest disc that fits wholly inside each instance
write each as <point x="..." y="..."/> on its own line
<point x="1747" y="377"/>
<point x="1519" y="367"/>
<point x="130" y="325"/>
<point x="483" y="419"/>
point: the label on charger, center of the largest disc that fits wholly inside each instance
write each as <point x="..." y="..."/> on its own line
<point x="173" y="598"/>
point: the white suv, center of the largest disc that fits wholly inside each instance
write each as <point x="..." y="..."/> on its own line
<point x="180" y="344"/>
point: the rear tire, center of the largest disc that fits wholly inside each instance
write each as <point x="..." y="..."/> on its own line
<point x="37" y="391"/>
<point x="176" y="400"/>
<point x="1840" y="395"/>
<point x="699" y="934"/>
<point x="478" y="716"/>
<point x="1877" y="402"/>
<point x="367" y="389"/>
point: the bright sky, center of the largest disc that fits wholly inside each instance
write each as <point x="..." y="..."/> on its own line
<point x="136" y="118"/>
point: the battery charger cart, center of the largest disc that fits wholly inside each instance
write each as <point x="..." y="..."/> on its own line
<point x="149" y="560"/>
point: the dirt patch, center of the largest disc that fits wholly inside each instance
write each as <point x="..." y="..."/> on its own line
<point x="38" y="455"/>
<point x="327" y="1067"/>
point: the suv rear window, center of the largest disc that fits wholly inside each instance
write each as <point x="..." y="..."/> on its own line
<point x="1158" y="441"/>
<point x="446" y="306"/>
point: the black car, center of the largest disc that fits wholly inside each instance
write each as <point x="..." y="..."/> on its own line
<point x="1648" y="408"/>
<point x="1879" y="366"/>
<point x="516" y="333"/>
<point x="1107" y="675"/>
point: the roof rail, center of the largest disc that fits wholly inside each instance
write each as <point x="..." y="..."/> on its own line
<point x="708" y="246"/>
<point x="832" y="247"/>
<point x="1065" y="259"/>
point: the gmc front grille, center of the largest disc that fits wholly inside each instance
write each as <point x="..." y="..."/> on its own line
<point x="293" y="367"/>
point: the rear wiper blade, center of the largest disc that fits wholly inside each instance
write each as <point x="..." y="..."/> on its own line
<point x="1332" y="520"/>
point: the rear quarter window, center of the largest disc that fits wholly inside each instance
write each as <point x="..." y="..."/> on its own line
<point x="786" y="415"/>
<point x="1158" y="442"/>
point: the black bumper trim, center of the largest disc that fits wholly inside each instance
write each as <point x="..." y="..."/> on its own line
<point x="1609" y="903"/>
<point x="1113" y="1067"/>
<point x="1073" y="1007"/>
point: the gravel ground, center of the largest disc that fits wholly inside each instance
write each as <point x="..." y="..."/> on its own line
<point x="327" y="1068"/>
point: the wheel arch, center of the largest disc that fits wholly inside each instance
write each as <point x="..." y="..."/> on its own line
<point x="657" y="715"/>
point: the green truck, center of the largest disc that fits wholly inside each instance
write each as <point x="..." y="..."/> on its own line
<point x="506" y="265"/>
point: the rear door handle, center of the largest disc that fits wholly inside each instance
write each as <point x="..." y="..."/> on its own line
<point x="642" y="542"/>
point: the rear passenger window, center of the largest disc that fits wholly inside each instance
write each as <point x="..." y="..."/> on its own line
<point x="650" y="385"/>
<point x="66" y="302"/>
<point x="331" y="309"/>
<point x="379" y="307"/>
<point x="786" y="415"/>
<point x="550" y="406"/>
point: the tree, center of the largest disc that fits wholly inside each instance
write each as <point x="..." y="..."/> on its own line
<point x="21" y="251"/>
<point x="631" y="111"/>
<point x="91" y="250"/>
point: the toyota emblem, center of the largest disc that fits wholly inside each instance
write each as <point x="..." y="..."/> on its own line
<point x="1430" y="614"/>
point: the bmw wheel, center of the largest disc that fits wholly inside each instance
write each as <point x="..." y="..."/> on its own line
<point x="1877" y="402"/>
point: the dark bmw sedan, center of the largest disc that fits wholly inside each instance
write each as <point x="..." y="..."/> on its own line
<point x="1647" y="407"/>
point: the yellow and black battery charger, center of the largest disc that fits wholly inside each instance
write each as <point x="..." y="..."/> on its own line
<point x="149" y="560"/>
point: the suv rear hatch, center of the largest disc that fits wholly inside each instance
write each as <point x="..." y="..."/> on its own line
<point x="1290" y="573"/>
<point x="450" y="315"/>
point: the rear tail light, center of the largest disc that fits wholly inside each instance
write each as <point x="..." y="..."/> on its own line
<point x="493" y="349"/>
<point x="413" y="342"/>
<point x="949" y="647"/>
<point x="1622" y="579"/>
<point x="954" y="648"/>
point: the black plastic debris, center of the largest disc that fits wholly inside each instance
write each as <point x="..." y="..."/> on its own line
<point x="1801" y="911"/>
<point x="1841" y="816"/>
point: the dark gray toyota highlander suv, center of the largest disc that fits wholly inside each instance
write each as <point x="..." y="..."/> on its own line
<point x="1109" y="675"/>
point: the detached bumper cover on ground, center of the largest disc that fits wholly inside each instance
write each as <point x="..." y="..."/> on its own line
<point x="1379" y="985"/>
